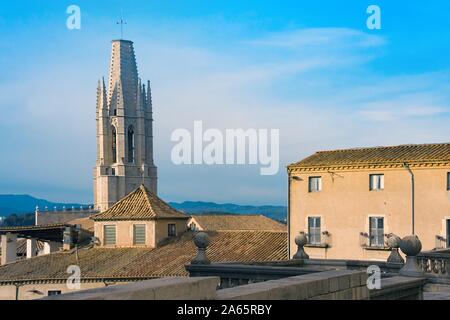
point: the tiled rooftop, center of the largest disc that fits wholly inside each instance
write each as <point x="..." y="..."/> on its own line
<point x="134" y="263"/>
<point x="140" y="204"/>
<point x="237" y="222"/>
<point x="85" y="223"/>
<point x="417" y="153"/>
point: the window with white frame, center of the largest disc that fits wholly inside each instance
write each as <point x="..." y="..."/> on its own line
<point x="109" y="235"/>
<point x="315" y="184"/>
<point x="376" y="182"/>
<point x="376" y="234"/>
<point x="314" y="233"/>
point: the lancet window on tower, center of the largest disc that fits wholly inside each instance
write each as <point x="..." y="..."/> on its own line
<point x="114" y="144"/>
<point x="131" y="145"/>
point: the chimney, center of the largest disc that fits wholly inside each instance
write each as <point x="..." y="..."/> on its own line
<point x="68" y="238"/>
<point x="9" y="248"/>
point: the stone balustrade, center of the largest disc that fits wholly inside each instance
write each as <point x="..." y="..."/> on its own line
<point x="435" y="264"/>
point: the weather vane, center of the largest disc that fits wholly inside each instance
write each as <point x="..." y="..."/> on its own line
<point x="121" y="22"/>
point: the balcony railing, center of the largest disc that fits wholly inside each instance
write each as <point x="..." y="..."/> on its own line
<point x="435" y="264"/>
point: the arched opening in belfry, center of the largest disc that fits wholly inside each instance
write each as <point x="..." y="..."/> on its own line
<point x="114" y="144"/>
<point x="131" y="145"/>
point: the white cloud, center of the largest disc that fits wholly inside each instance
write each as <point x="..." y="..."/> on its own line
<point x="324" y="38"/>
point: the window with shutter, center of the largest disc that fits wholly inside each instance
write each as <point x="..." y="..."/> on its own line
<point x="376" y="182"/>
<point x="109" y="233"/>
<point x="448" y="233"/>
<point x="376" y="232"/>
<point x="448" y="180"/>
<point x="315" y="184"/>
<point x="139" y="234"/>
<point x="314" y="230"/>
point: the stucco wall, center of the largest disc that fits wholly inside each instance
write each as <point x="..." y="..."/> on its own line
<point x="124" y="232"/>
<point x="345" y="205"/>
<point x="156" y="230"/>
<point x="162" y="228"/>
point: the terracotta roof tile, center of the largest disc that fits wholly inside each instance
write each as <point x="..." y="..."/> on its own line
<point x="85" y="223"/>
<point x="416" y="153"/>
<point x="237" y="222"/>
<point x="140" y="204"/>
<point x="168" y="260"/>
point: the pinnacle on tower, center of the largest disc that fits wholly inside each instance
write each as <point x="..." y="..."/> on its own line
<point x="102" y="102"/>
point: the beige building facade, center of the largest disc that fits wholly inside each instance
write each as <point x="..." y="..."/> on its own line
<point x="124" y="131"/>
<point x="140" y="219"/>
<point x="348" y="202"/>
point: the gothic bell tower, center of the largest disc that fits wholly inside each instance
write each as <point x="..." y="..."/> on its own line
<point x="124" y="131"/>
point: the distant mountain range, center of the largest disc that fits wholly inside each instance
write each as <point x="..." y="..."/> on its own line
<point x="198" y="207"/>
<point x="20" y="204"/>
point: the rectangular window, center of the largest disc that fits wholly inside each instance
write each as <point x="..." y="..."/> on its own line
<point x="53" y="292"/>
<point x="139" y="233"/>
<point x="314" y="230"/>
<point x="376" y="182"/>
<point x="448" y="234"/>
<point x="109" y="233"/>
<point x="448" y="180"/>
<point x="315" y="184"/>
<point x="376" y="232"/>
<point x="171" y="230"/>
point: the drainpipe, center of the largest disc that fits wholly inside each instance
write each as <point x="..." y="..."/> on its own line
<point x="296" y="178"/>
<point x="17" y="290"/>
<point x="412" y="194"/>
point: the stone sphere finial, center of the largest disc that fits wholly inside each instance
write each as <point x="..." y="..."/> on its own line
<point x="393" y="242"/>
<point x="201" y="241"/>
<point x="411" y="245"/>
<point x="301" y="240"/>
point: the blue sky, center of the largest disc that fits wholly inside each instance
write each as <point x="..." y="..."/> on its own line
<point x="311" y="69"/>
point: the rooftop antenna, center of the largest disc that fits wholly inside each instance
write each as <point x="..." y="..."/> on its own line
<point x="121" y="22"/>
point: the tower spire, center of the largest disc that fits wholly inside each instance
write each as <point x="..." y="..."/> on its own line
<point x="123" y="69"/>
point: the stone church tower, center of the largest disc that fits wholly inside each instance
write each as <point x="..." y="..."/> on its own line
<point x="124" y="131"/>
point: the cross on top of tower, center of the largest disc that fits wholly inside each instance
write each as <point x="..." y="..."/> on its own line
<point x="121" y="22"/>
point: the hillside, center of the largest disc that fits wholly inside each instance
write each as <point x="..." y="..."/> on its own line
<point x="19" y="204"/>
<point x="198" y="207"/>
